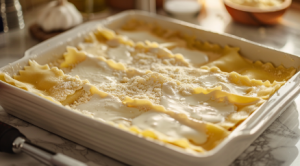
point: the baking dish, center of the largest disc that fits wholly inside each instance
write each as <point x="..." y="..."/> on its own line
<point x="127" y="147"/>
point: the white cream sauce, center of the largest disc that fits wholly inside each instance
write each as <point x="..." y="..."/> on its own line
<point x="94" y="70"/>
<point x="217" y="79"/>
<point x="168" y="126"/>
<point x="197" y="106"/>
<point x="120" y="54"/>
<point x="132" y="72"/>
<point x="192" y="56"/>
<point x="142" y="36"/>
<point x="161" y="52"/>
<point x="94" y="49"/>
<point x="109" y="109"/>
<point x="113" y="42"/>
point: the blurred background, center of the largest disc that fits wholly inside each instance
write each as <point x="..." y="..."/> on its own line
<point x="18" y="16"/>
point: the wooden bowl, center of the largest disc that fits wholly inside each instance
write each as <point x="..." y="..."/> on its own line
<point x="254" y="15"/>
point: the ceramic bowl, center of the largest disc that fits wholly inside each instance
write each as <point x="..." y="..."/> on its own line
<point x="254" y="15"/>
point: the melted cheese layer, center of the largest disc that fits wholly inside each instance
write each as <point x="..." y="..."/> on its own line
<point x="197" y="106"/>
<point x="109" y="109"/>
<point x="193" y="56"/>
<point x="120" y="54"/>
<point x="94" y="70"/>
<point x="169" y="126"/>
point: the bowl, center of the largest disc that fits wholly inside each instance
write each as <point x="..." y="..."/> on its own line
<point x="254" y="15"/>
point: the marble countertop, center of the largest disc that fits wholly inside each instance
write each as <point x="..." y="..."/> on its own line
<point x="278" y="145"/>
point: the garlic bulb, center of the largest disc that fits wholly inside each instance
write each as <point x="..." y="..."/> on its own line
<point x="59" y="15"/>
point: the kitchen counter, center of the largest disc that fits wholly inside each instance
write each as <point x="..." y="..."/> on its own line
<point x="278" y="145"/>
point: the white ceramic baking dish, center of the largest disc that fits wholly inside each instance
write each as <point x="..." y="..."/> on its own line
<point x="125" y="146"/>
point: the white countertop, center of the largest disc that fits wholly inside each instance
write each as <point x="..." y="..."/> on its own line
<point x="278" y="145"/>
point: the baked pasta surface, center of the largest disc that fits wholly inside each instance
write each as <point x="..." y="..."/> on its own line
<point x="156" y="83"/>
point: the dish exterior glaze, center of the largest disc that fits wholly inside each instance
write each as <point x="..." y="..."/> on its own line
<point x="125" y="146"/>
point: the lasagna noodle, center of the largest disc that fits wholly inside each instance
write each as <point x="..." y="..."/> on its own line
<point x="73" y="57"/>
<point x="51" y="84"/>
<point x="28" y="87"/>
<point x="232" y="61"/>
